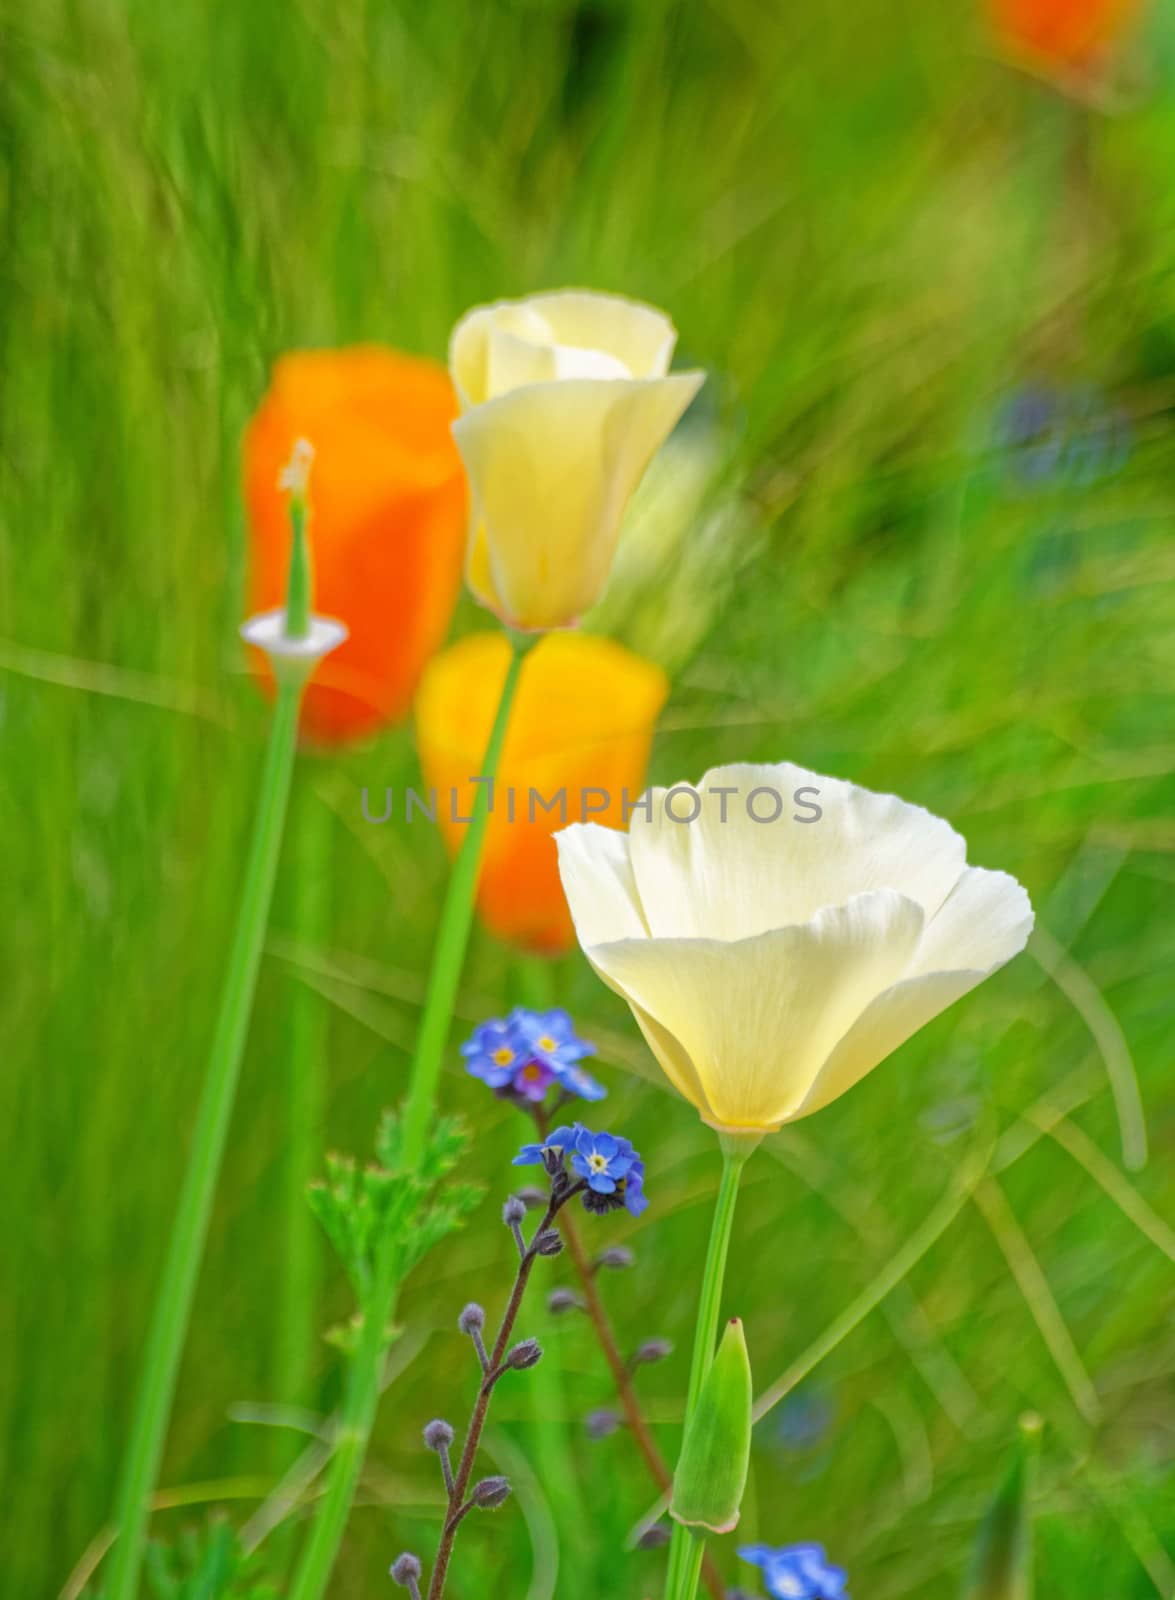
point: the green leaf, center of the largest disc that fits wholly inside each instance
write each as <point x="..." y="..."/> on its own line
<point x="361" y="1210"/>
<point x="1001" y="1568"/>
<point x="715" y="1455"/>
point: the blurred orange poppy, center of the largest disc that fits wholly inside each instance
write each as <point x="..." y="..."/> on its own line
<point x="577" y="745"/>
<point x="1071" y="34"/>
<point x="387" y="522"/>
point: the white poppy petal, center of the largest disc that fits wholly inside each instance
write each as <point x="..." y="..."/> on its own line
<point x="756" y="1018"/>
<point x="983" y="922"/>
<point x="637" y="334"/>
<point x="480" y="335"/>
<point x="551" y="469"/>
<point x="758" y="855"/>
<point x="599" y="885"/>
<point x="888" y="1022"/>
<point x="982" y="925"/>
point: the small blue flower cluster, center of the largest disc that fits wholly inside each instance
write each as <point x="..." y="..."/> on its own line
<point x="797" y="1572"/>
<point x="607" y="1164"/>
<point x="523" y="1054"/>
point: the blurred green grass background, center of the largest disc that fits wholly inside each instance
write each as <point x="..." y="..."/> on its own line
<point x="872" y="233"/>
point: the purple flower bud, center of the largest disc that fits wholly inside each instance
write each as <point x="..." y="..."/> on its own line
<point x="490" y="1493"/>
<point x="438" y="1435"/>
<point x="548" y="1242"/>
<point x="617" y="1257"/>
<point x="472" y="1319"/>
<point x="533" y="1199"/>
<point x="654" y="1538"/>
<point x="514" y="1211"/>
<point x="652" y="1350"/>
<point x="406" y="1570"/>
<point x="600" y="1424"/>
<point x="526" y="1353"/>
<point x="561" y="1300"/>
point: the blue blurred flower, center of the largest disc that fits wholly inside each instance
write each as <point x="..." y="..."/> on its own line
<point x="1054" y="434"/>
<point x="797" y="1571"/>
<point x="495" y="1053"/>
<point x="551" y="1152"/>
<point x="805" y="1418"/>
<point x="635" y="1199"/>
<point x="528" y="1051"/>
<point x="550" y="1040"/>
<point x="580" y="1083"/>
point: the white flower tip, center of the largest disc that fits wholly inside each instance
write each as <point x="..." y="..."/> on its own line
<point x="294" y="477"/>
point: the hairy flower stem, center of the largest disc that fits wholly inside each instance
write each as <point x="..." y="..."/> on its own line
<point x="457" y="1503"/>
<point x="622" y="1377"/>
<point x="189" y="1233"/>
<point x="361" y="1396"/>
<point x="620" y="1370"/>
<point x="686" y="1549"/>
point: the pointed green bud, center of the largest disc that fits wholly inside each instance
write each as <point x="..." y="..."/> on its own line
<point x="715" y="1455"/>
<point x="1001" y="1568"/>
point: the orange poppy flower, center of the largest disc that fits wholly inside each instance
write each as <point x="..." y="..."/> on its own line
<point x="1070" y="34"/>
<point x="387" y="522"/>
<point x="577" y="744"/>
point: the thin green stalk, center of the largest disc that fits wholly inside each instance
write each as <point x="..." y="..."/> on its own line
<point x="298" y="582"/>
<point x="185" y="1251"/>
<point x="453" y="935"/>
<point x="304" y="1101"/>
<point x="686" y="1549"/>
<point x="361" y="1397"/>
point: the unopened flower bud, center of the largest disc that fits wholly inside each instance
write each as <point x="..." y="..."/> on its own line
<point x="526" y="1353"/>
<point x="533" y="1199"/>
<point x="548" y="1242"/>
<point x="562" y="1300"/>
<point x="491" y="1493"/>
<point x="438" y="1435"/>
<point x="406" y="1570"/>
<point x="472" y="1319"/>
<point x="600" y="1424"/>
<point x="514" y="1211"/>
<point x="652" y="1350"/>
<point x="617" y="1257"/>
<point x="654" y="1538"/>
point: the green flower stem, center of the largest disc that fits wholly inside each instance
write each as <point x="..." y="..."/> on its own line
<point x="456" y="921"/>
<point x="304" y="1101"/>
<point x="686" y="1550"/>
<point x="361" y="1398"/>
<point x="185" y="1251"/>
<point x="298" y="582"/>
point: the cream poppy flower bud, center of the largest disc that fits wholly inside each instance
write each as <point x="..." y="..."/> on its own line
<point x="777" y="934"/>
<point x="565" y="399"/>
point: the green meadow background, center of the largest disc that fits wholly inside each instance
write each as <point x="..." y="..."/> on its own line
<point x="874" y="235"/>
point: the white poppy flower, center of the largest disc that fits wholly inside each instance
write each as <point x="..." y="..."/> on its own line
<point x="565" y="399"/>
<point x="771" y="964"/>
